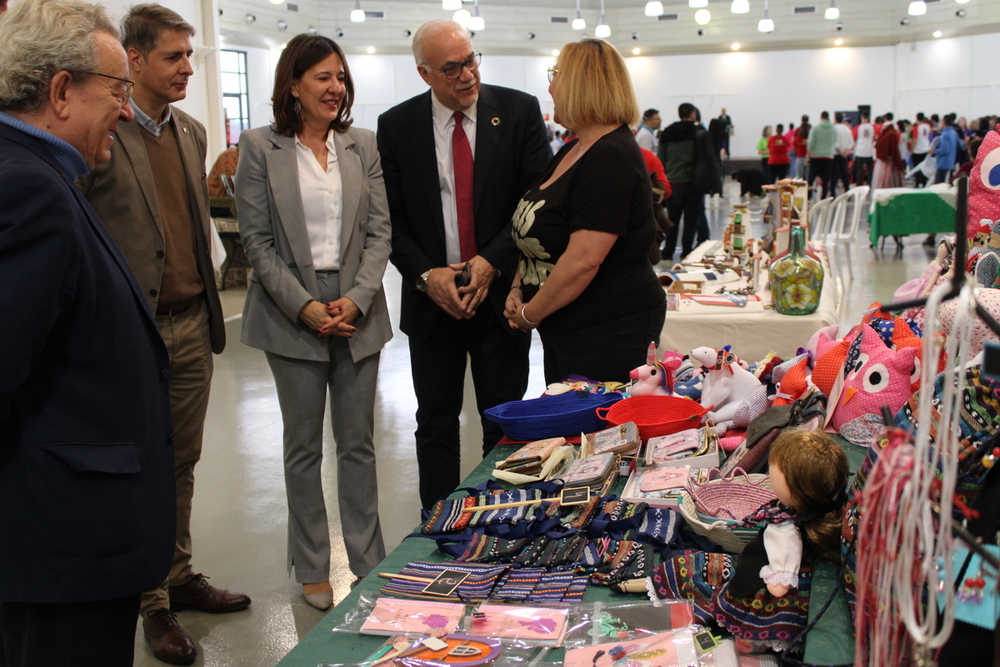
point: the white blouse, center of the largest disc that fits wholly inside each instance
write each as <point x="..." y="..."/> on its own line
<point x="322" y="203"/>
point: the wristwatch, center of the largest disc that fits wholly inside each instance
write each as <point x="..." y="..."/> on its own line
<point x="422" y="280"/>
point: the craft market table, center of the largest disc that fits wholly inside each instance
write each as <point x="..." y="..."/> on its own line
<point x="829" y="642"/>
<point x="752" y="334"/>
<point x="902" y="211"/>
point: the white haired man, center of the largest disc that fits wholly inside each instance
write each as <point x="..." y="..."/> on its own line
<point x="86" y="456"/>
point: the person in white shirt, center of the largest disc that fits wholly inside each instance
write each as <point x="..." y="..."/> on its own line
<point x="921" y="145"/>
<point x="646" y="136"/>
<point x="864" y="151"/>
<point x="842" y="147"/>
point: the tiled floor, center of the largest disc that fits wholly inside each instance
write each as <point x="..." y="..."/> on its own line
<point x="239" y="505"/>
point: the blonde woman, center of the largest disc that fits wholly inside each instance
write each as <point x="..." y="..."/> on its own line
<point x="584" y="231"/>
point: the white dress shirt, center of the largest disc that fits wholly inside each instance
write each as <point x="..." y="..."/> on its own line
<point x="322" y="203"/>
<point x="646" y="138"/>
<point x="444" y="126"/>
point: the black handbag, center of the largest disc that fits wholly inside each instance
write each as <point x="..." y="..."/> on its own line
<point x="752" y="454"/>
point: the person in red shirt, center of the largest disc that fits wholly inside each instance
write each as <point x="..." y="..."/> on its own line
<point x="661" y="192"/>
<point x="778" y="160"/>
<point x="801" y="148"/>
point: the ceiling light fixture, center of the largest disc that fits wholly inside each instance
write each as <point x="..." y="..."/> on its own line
<point x="357" y="14"/>
<point x="702" y="16"/>
<point x="961" y="2"/>
<point x="937" y="33"/>
<point x="451" y="5"/>
<point x="477" y="22"/>
<point x="831" y="13"/>
<point x="654" y="8"/>
<point x="249" y="18"/>
<point x="603" y="30"/>
<point x="917" y="8"/>
<point x="636" y="51"/>
<point x="740" y="7"/>
<point x="282" y="25"/>
<point x="838" y="41"/>
<point x="766" y="24"/>
<point x="462" y="17"/>
<point x="370" y="50"/>
<point x="555" y="53"/>
<point x="277" y="2"/>
<point x="736" y="46"/>
<point x="578" y="22"/>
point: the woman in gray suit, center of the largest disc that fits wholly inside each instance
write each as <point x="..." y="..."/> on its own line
<point x="315" y="227"/>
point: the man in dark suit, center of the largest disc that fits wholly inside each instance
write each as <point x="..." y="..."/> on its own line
<point x="86" y="462"/>
<point x="456" y="160"/>
<point x="153" y="199"/>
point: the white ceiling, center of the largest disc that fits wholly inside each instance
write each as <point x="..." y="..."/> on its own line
<point x="516" y="28"/>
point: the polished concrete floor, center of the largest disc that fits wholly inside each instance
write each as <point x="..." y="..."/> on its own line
<point x="239" y="517"/>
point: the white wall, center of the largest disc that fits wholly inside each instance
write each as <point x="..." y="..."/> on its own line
<point x="756" y="88"/>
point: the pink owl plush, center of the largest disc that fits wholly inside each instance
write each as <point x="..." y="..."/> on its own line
<point x="873" y="375"/>
<point x="984" y="186"/>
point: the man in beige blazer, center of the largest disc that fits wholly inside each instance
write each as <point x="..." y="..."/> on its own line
<point x="153" y="199"/>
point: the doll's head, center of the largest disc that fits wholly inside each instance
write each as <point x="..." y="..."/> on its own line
<point x="813" y="469"/>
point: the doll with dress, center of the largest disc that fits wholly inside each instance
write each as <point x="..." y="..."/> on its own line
<point x="762" y="595"/>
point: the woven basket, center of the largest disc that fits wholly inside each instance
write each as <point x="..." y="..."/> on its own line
<point x="729" y="535"/>
<point x="654" y="415"/>
<point x="566" y="414"/>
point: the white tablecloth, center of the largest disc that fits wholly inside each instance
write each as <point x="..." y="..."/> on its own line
<point x="752" y="335"/>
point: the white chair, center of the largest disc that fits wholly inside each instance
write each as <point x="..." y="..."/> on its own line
<point x="858" y="198"/>
<point x="819" y="218"/>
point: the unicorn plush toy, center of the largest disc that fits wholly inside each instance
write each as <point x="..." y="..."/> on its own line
<point x="726" y="382"/>
<point x="656" y="378"/>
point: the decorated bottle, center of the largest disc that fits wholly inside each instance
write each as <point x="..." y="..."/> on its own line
<point x="796" y="278"/>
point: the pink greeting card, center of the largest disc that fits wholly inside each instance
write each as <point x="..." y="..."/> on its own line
<point x="659" y="479"/>
<point x="539" y="625"/>
<point x="391" y="616"/>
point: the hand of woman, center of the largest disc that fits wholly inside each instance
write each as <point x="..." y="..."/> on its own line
<point x="343" y="312"/>
<point x="512" y="307"/>
<point x="315" y="317"/>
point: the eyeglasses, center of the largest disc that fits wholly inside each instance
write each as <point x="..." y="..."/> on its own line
<point x="552" y="73"/>
<point x="454" y="70"/>
<point x="121" y="97"/>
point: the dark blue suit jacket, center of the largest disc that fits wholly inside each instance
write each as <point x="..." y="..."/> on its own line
<point x="512" y="151"/>
<point x="86" y="459"/>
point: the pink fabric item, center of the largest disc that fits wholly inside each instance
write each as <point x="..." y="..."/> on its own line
<point x="984" y="185"/>
<point x="990" y="299"/>
<point x="733" y="438"/>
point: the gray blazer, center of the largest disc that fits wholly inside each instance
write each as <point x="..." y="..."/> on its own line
<point x="273" y="228"/>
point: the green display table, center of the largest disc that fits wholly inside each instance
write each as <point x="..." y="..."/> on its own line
<point x="828" y="644"/>
<point x="901" y="211"/>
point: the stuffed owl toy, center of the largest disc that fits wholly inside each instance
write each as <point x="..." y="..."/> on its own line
<point x="873" y="375"/>
<point x="984" y="186"/>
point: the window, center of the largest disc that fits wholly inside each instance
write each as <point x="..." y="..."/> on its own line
<point x="234" y="93"/>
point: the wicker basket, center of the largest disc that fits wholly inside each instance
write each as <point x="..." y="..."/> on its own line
<point x="655" y="415"/>
<point x="729" y="535"/>
<point x="566" y="414"/>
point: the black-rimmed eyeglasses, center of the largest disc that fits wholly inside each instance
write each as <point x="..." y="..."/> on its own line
<point x="121" y="97"/>
<point x="454" y="70"/>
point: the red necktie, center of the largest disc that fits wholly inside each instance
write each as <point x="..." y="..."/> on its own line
<point x="461" y="157"/>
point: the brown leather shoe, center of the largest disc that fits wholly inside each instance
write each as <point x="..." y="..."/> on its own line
<point x="167" y="639"/>
<point x="203" y="596"/>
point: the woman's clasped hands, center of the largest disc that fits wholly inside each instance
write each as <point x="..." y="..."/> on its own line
<point x="330" y="319"/>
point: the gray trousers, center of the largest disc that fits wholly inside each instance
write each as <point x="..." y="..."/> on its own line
<point x="302" y="389"/>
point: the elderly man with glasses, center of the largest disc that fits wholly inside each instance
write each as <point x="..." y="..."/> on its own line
<point x="86" y="456"/>
<point x="456" y="160"/>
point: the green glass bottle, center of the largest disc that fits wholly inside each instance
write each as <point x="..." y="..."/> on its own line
<point x="796" y="279"/>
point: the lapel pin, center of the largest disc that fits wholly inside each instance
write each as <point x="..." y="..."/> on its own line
<point x="495" y="120"/>
<point x="185" y="130"/>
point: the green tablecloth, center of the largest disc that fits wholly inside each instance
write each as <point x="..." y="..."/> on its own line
<point x="828" y="643"/>
<point x="916" y="212"/>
